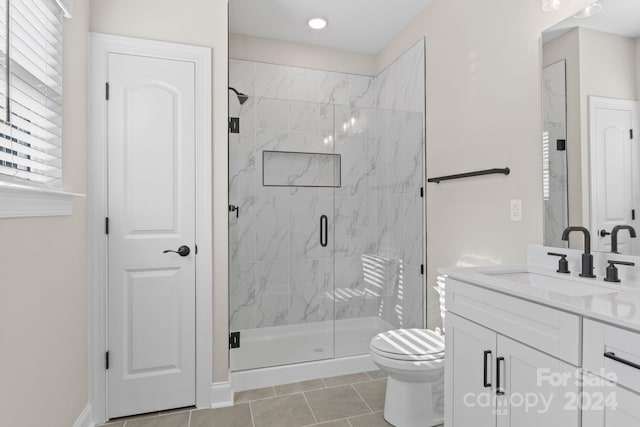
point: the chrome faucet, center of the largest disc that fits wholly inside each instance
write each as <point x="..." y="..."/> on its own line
<point x="614" y="236"/>
<point x="587" y="257"/>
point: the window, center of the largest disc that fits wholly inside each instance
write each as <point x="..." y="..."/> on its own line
<point x="31" y="90"/>
<point x="31" y="108"/>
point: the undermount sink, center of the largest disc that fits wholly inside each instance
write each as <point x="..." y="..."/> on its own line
<point x="534" y="283"/>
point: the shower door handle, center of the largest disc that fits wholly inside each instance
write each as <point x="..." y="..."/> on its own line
<point x="324" y="221"/>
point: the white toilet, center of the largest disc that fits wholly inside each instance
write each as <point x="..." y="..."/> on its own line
<point x="414" y="362"/>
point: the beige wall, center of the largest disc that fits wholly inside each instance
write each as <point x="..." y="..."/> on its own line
<point x="203" y="23"/>
<point x="300" y="55"/>
<point x="483" y="84"/>
<point x="43" y="287"/>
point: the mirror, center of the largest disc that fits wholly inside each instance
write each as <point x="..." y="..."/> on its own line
<point x="591" y="140"/>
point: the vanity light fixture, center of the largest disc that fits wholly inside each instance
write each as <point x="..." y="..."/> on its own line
<point x="317" y="23"/>
<point x="551" y="5"/>
<point x="593" y="9"/>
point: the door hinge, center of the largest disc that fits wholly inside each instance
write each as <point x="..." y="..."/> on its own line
<point x="234" y="340"/>
<point x="106" y="86"/>
<point x="196" y="246"/>
<point x="633" y="214"/>
<point x="631" y="133"/>
<point x="234" y="125"/>
<point x="422" y="269"/>
<point x="561" y="144"/>
<point x="106" y="360"/>
<point x="421" y="191"/>
<point x="106" y="225"/>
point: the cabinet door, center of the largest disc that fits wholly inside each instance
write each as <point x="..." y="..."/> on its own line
<point x="538" y="389"/>
<point x="469" y="362"/>
<point x="608" y="405"/>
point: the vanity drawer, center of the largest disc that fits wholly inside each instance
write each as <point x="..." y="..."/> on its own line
<point x="609" y="350"/>
<point x="551" y="331"/>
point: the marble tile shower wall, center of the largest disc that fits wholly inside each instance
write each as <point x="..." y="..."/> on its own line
<point x="279" y="273"/>
<point x="555" y="127"/>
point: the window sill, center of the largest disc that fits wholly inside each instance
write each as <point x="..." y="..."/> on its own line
<point x="20" y="201"/>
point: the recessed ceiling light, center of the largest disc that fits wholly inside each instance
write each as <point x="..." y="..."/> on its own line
<point x="590" y="10"/>
<point x="551" y="5"/>
<point x="317" y="23"/>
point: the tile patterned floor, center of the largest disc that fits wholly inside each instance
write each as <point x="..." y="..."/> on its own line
<point x="355" y="400"/>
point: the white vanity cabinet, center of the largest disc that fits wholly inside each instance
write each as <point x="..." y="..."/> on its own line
<point x="469" y="373"/>
<point x="609" y="405"/>
<point x="491" y="378"/>
<point x="615" y="353"/>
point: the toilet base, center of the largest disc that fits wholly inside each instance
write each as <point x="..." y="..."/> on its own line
<point x="410" y="404"/>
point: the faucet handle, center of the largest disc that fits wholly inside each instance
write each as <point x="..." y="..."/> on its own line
<point x="563" y="264"/>
<point x="612" y="270"/>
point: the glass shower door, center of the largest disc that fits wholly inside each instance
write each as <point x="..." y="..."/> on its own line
<point x="554" y="155"/>
<point x="283" y="172"/>
<point x="379" y="220"/>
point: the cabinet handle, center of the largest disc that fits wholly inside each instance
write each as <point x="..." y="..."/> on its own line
<point x="499" y="389"/>
<point x="612" y="356"/>
<point x="487" y="384"/>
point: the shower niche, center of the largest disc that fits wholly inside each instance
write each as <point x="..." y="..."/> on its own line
<point x="296" y="169"/>
<point x="327" y="171"/>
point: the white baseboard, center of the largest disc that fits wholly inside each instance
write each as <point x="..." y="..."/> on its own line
<point x="86" y="418"/>
<point x="221" y="395"/>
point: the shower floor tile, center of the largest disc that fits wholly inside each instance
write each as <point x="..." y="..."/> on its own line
<point x="346" y="401"/>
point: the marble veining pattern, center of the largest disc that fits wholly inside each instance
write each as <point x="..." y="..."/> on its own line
<point x="279" y="273"/>
<point x="555" y="178"/>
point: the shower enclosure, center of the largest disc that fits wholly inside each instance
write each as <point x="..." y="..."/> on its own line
<point x="326" y="221"/>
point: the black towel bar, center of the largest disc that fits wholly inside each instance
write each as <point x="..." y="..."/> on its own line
<point x="505" y="171"/>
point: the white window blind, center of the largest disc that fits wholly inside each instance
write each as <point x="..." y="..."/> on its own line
<point x="31" y="90"/>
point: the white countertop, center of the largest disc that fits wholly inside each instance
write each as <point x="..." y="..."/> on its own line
<point x="617" y="304"/>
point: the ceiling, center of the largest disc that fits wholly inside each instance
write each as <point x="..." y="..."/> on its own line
<point x="621" y="17"/>
<point x="364" y="26"/>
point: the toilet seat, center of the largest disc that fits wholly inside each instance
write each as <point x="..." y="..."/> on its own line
<point x="409" y="345"/>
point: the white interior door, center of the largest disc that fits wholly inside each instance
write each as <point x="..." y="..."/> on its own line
<point x="614" y="171"/>
<point x="151" y="205"/>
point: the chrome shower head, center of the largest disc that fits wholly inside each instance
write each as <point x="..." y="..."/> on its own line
<point x="242" y="98"/>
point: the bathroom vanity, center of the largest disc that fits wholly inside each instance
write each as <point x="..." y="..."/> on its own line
<point x="527" y="346"/>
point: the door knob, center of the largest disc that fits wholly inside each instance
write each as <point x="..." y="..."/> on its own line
<point x="182" y="251"/>
<point x="604" y="233"/>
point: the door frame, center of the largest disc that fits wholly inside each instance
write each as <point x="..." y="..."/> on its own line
<point x="596" y="102"/>
<point x="100" y="46"/>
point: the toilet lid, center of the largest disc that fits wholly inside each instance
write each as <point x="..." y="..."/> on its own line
<point x="409" y="344"/>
